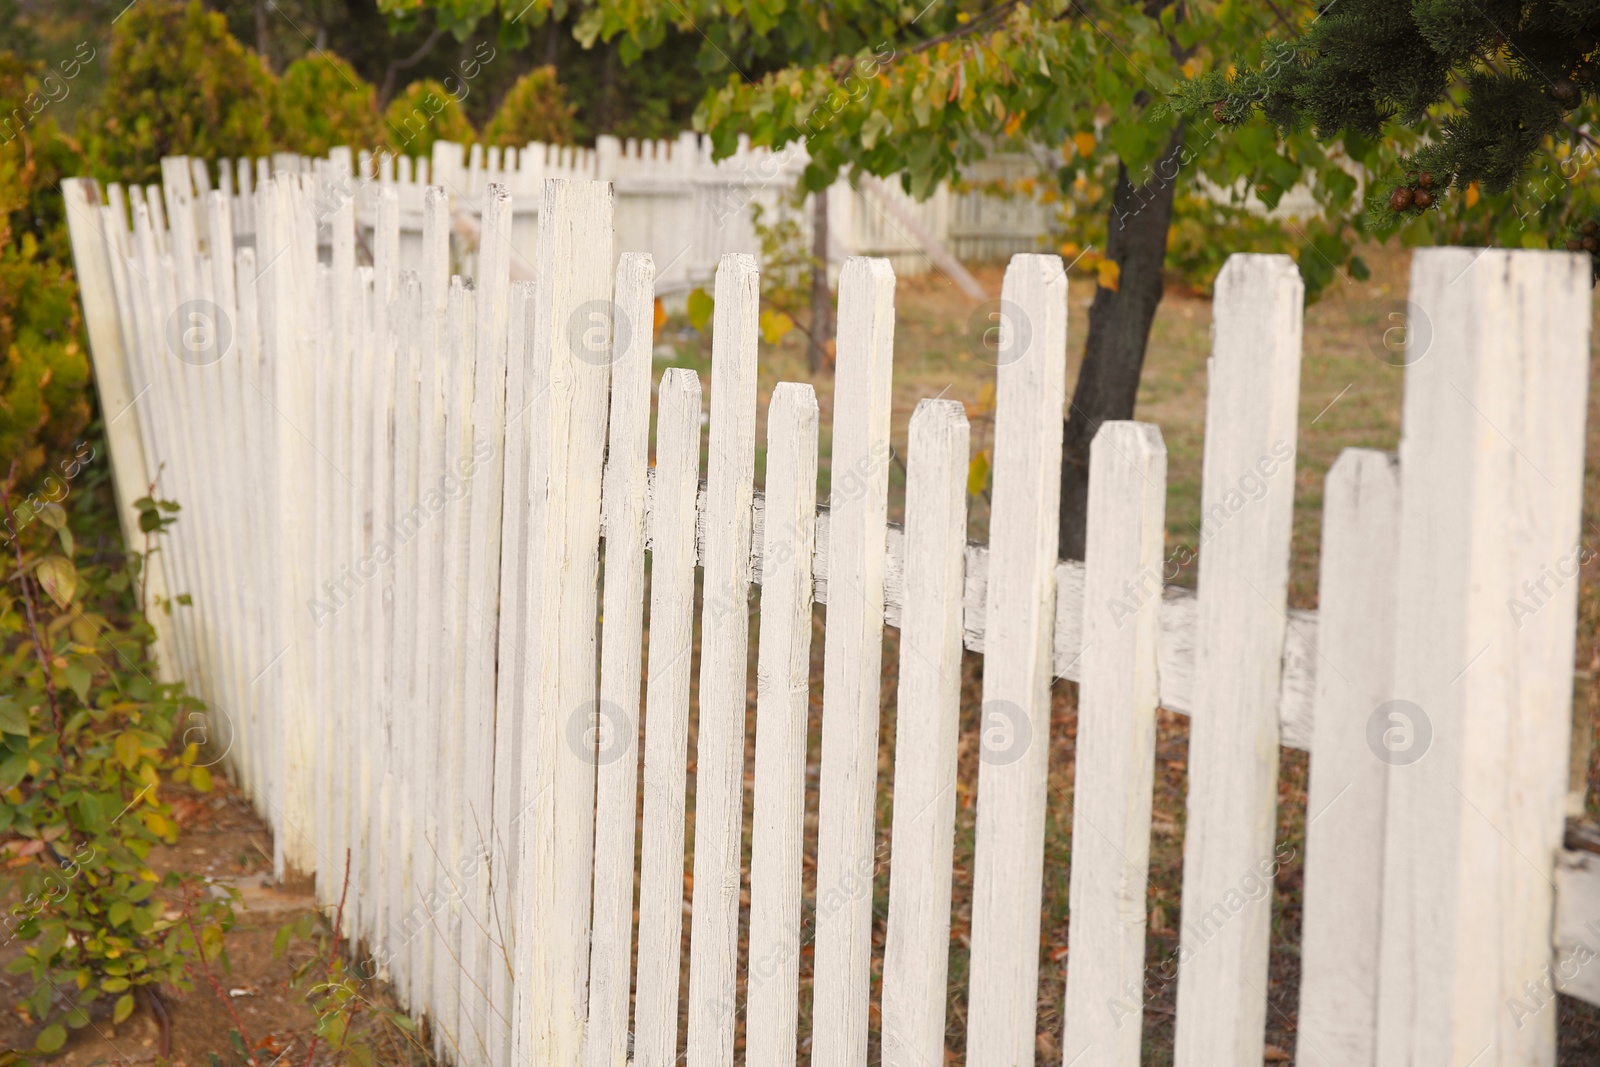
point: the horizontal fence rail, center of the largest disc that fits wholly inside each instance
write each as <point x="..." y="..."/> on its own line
<point x="454" y="627"/>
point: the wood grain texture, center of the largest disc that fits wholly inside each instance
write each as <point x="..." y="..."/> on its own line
<point x="483" y="472"/>
<point x="783" y="692"/>
<point x="511" y="668"/>
<point x="1247" y="497"/>
<point x="1491" y="474"/>
<point x="853" y="659"/>
<point x="666" y="741"/>
<point x="615" y="728"/>
<point x="724" y="663"/>
<point x="1341" y="927"/>
<point x="1124" y="550"/>
<point x="574" y="269"/>
<point x="927" y="732"/>
<point x="1008" y="868"/>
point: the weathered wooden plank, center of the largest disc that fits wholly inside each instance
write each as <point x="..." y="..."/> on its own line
<point x="1341" y="926"/>
<point x="853" y="660"/>
<point x="1491" y="475"/>
<point x="724" y="663"/>
<point x="511" y="668"/>
<point x="783" y="690"/>
<point x="1252" y="404"/>
<point x="482" y="471"/>
<point x="1116" y="746"/>
<point x="622" y="337"/>
<point x="666" y="741"/>
<point x="1021" y="601"/>
<point x="574" y="268"/>
<point x="927" y="731"/>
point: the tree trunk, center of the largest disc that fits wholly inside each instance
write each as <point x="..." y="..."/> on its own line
<point x="821" y="305"/>
<point x="1119" y="328"/>
<point x="261" y="34"/>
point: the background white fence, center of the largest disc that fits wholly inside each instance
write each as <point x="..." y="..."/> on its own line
<point x="672" y="200"/>
<point x="396" y="488"/>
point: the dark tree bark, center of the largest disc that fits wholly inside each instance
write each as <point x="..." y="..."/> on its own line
<point x="821" y="303"/>
<point x="1119" y="328"/>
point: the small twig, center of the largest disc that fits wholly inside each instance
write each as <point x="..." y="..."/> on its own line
<point x="333" y="953"/>
<point x="216" y="986"/>
<point x="163" y="1020"/>
<point x="27" y="600"/>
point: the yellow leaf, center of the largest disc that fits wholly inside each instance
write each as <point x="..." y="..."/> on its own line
<point x="128" y="749"/>
<point x="1191" y="67"/>
<point x="1109" y="274"/>
<point x="59" y="578"/>
<point x="775" y="326"/>
<point x="1069" y="250"/>
<point x="661" y="316"/>
<point x="1084" y="141"/>
<point x="978" y="473"/>
<point x="1014" y="123"/>
<point x="1472" y="195"/>
<point x="123" y="1009"/>
<point x="200" y="778"/>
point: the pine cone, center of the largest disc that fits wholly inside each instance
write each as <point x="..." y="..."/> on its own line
<point x="1400" y="199"/>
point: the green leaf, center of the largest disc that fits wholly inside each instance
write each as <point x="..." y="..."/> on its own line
<point x="53" y="516"/>
<point x="121" y="912"/>
<point x="13" y="717"/>
<point x="78" y="679"/>
<point x="51" y="1038"/>
<point x="123" y="1009"/>
<point x="700" y="307"/>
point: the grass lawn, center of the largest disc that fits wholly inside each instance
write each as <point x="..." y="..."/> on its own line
<point x="1351" y="384"/>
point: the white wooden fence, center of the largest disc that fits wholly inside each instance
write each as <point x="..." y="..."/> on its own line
<point x="396" y="485"/>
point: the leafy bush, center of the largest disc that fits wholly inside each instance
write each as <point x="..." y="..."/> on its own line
<point x="426" y="112"/>
<point x="86" y="739"/>
<point x="321" y="102"/>
<point x="178" y="83"/>
<point x="43" y="364"/>
<point x="535" y="109"/>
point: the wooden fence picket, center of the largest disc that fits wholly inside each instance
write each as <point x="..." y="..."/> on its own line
<point x="666" y="742"/>
<point x="783" y="699"/>
<point x="853" y="659"/>
<point x="618" y="335"/>
<point x="724" y="645"/>
<point x="1492" y="451"/>
<point x="1228" y="858"/>
<point x="1347" y="800"/>
<point x="927" y="731"/>
<point x="557" y="834"/>
<point x="1008" y="869"/>
<point x="1114" y="761"/>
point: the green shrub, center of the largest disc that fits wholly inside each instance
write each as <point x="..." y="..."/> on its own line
<point x="87" y="741"/>
<point x="178" y="83"/>
<point x="321" y="103"/>
<point x="44" y="367"/>
<point x="426" y="112"/>
<point x="535" y="109"/>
